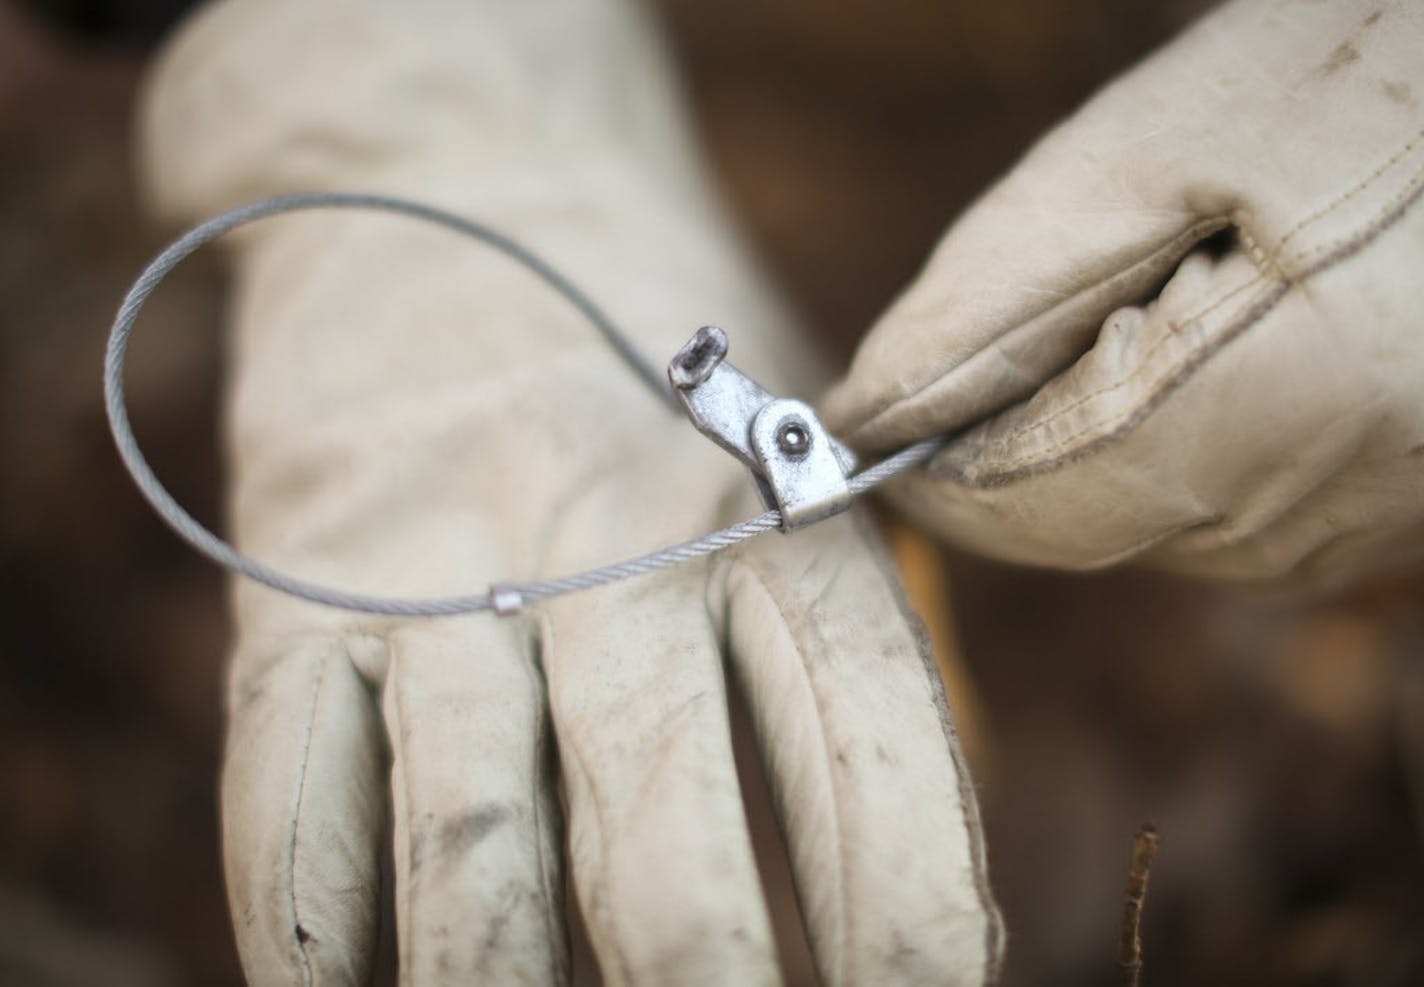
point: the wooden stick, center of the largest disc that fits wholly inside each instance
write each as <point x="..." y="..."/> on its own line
<point x="1144" y="848"/>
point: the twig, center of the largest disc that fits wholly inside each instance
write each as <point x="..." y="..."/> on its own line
<point x="1144" y="848"/>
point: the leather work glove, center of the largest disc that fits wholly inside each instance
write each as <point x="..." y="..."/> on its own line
<point x="1187" y="327"/>
<point x="411" y="414"/>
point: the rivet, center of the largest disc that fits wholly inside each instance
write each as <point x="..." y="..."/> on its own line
<point x="793" y="437"/>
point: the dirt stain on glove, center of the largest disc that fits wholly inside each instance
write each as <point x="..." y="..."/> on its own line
<point x="467" y="829"/>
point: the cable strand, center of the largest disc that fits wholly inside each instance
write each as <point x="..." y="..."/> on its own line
<point x="211" y="546"/>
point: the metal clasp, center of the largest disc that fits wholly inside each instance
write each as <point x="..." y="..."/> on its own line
<point x="800" y="468"/>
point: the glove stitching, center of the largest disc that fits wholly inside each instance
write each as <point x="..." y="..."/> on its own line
<point x="760" y="580"/>
<point x="1393" y="204"/>
<point x="1270" y="264"/>
<point x="1193" y="233"/>
<point x="1174" y="327"/>
<point x="1281" y="281"/>
<point x="1048" y="458"/>
<point x="1341" y="199"/>
<point x="307" y="976"/>
<point x="1410" y="190"/>
<point x="1259" y="255"/>
<point x="1333" y="252"/>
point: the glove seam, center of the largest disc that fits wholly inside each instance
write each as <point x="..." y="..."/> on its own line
<point x="1279" y="282"/>
<point x="1176" y="245"/>
<point x="1344" y="197"/>
<point x="1174" y="327"/>
<point x="1061" y="452"/>
<point x="1270" y="265"/>
<point x="307" y="975"/>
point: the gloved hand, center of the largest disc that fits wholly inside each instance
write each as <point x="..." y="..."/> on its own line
<point x="1187" y="328"/>
<point x="409" y="414"/>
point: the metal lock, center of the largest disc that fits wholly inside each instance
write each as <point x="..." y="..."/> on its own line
<point x="800" y="468"/>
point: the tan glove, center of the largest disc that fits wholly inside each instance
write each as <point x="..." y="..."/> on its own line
<point x="409" y="414"/>
<point x="1189" y="326"/>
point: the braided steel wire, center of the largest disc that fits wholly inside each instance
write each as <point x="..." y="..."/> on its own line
<point x="503" y="598"/>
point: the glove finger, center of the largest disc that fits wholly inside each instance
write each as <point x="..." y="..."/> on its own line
<point x="1017" y="288"/>
<point x="262" y="98"/>
<point x="1166" y="440"/>
<point x="874" y="798"/>
<point x="303" y="811"/>
<point x="477" y="834"/>
<point x="661" y="855"/>
<point x="1047" y="482"/>
<point x="1296" y="149"/>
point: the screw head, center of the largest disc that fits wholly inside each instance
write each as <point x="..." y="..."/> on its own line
<point x="793" y="437"/>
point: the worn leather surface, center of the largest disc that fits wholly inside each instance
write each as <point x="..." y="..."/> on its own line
<point x="410" y="414"/>
<point x="1186" y="328"/>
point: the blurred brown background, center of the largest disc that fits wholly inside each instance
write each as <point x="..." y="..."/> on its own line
<point x="1277" y="744"/>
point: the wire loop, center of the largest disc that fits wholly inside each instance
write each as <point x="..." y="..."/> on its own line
<point x="500" y="598"/>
